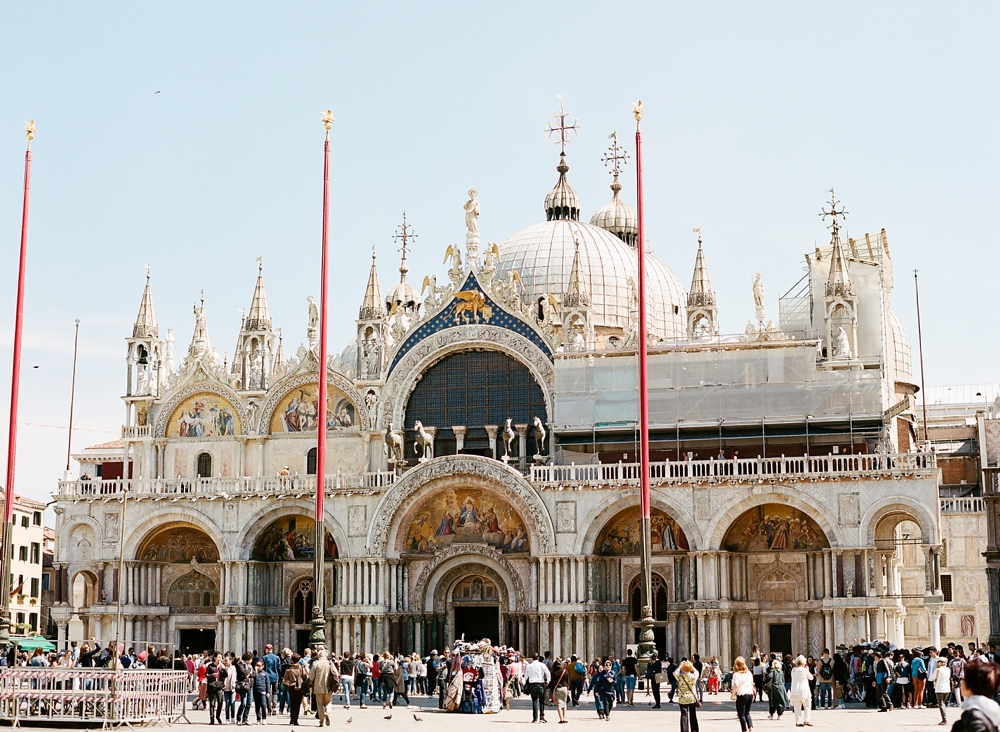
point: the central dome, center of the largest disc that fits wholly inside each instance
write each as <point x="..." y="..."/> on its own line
<point x="543" y="256"/>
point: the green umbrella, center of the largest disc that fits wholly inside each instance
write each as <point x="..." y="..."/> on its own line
<point x="30" y="644"/>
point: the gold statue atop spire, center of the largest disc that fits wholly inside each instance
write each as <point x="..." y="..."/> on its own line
<point x="697" y="231"/>
<point x="29" y="131"/>
<point x="327" y="120"/>
<point x="637" y="111"/>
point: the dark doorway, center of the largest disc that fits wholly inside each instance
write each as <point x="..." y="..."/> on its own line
<point x="301" y="640"/>
<point x="196" y="640"/>
<point x="478" y="622"/>
<point x="781" y="638"/>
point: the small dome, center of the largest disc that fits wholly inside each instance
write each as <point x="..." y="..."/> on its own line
<point x="349" y="357"/>
<point x="543" y="256"/>
<point x="562" y="203"/>
<point x="899" y="349"/>
<point x="618" y="217"/>
<point x="402" y="295"/>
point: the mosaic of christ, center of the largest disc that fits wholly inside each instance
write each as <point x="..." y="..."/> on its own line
<point x="299" y="410"/>
<point x="623" y="534"/>
<point x="774" y="527"/>
<point x="203" y="415"/>
<point x="465" y="515"/>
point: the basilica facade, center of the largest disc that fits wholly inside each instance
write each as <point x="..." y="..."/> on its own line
<point x="482" y="475"/>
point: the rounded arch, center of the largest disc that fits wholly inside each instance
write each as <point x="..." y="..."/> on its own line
<point x="83" y="587"/>
<point x="288" y="384"/>
<point x="465" y="471"/>
<point x="178" y="542"/>
<point x="411" y="367"/>
<point x="439" y="577"/>
<point x="737" y="506"/>
<point x="176" y="515"/>
<point x="217" y="389"/>
<point x="257" y="524"/>
<point x="622" y="499"/>
<point x="906" y="509"/>
<point x="70" y="531"/>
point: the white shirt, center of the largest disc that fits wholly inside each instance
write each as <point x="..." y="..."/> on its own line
<point x="743" y="683"/>
<point x="537" y="673"/>
<point x="942" y="679"/>
<point x="800" y="682"/>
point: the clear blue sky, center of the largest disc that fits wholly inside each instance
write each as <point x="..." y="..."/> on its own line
<point x="753" y="110"/>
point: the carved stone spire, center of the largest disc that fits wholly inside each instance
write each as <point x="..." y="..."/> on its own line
<point x="839" y="280"/>
<point x="259" y="319"/>
<point x="703" y="315"/>
<point x="145" y="322"/>
<point x="576" y="291"/>
<point x="371" y="306"/>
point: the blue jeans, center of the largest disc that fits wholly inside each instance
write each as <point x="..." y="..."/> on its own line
<point x="243" y="713"/>
<point x="282" y="697"/>
<point x="620" y="688"/>
<point x="347" y="686"/>
<point x="364" y="689"/>
<point x="825" y="694"/>
<point x="229" y="698"/>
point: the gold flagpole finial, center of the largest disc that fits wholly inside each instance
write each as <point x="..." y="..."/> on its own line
<point x="637" y="111"/>
<point x="29" y="131"/>
<point x="327" y="120"/>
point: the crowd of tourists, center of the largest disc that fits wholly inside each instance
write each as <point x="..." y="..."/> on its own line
<point x="227" y="685"/>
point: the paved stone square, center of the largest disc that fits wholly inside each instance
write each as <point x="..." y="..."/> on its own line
<point x="712" y="716"/>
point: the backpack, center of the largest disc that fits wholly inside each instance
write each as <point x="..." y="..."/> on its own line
<point x="243" y="682"/>
<point x="826" y="671"/>
<point x="578" y="668"/>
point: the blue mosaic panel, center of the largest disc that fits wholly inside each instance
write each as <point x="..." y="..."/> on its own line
<point x="445" y="319"/>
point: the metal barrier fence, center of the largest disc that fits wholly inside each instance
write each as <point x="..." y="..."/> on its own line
<point x="111" y="697"/>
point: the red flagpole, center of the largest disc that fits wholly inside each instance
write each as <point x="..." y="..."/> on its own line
<point x="646" y="636"/>
<point x="319" y="550"/>
<point x="15" y="380"/>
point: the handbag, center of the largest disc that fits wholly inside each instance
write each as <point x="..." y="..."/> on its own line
<point x="662" y="677"/>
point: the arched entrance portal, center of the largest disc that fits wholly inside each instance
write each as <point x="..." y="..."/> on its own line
<point x="476" y="609"/>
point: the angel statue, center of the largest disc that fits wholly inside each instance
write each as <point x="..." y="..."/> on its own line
<point x="432" y="299"/>
<point x="456" y="271"/>
<point x="472" y="212"/>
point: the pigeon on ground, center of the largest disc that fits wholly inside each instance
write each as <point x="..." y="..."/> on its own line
<point x="417" y="719"/>
<point x="349" y="720"/>
<point x="389" y="717"/>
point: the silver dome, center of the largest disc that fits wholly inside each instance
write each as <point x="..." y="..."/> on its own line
<point x="618" y="217"/>
<point x="543" y="256"/>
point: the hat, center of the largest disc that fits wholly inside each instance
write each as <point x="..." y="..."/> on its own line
<point x="942" y="660"/>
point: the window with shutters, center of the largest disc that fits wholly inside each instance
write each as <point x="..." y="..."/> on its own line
<point x="204" y="465"/>
<point x="946" y="587"/>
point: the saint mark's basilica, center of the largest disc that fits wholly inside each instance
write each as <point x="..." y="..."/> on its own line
<point x="482" y="451"/>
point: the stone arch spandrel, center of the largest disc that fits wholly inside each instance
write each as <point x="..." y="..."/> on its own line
<point x="451" y="564"/>
<point x="408" y="371"/>
<point x="76" y="529"/>
<point x="621" y="499"/>
<point x="737" y="506"/>
<point x="907" y="509"/>
<point x="459" y="471"/>
<point x="176" y="515"/>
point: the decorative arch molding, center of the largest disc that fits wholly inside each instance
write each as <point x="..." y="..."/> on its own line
<point x="459" y="471"/>
<point x="177" y="515"/>
<point x="622" y="499"/>
<point x="404" y="377"/>
<point x="280" y="390"/>
<point x="736" y="507"/>
<point x="209" y="387"/>
<point x="258" y="523"/>
<point x="461" y="560"/>
<point x="897" y="504"/>
<point x="66" y="532"/>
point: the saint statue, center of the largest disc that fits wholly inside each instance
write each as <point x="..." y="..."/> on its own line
<point x="843" y="343"/>
<point x="472" y="212"/>
<point x="200" y="326"/>
<point x="758" y="291"/>
<point x="313" y="313"/>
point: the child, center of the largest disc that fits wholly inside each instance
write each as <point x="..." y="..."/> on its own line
<point x="261" y="691"/>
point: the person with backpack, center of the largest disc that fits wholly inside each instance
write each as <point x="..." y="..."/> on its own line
<point x="883" y="678"/>
<point x="577" y="675"/>
<point x="243" y="686"/>
<point x="215" y="674"/>
<point x="387" y="679"/>
<point x="918" y="674"/>
<point x="293" y="681"/>
<point x="825" y="680"/>
<point x="362" y="678"/>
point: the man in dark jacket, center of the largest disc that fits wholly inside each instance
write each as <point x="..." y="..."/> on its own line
<point x="272" y="665"/>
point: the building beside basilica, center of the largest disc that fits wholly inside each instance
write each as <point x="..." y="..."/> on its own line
<point x="482" y="471"/>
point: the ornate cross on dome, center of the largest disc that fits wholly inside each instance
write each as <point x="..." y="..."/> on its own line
<point x="616" y="155"/>
<point x="562" y="128"/>
<point x="833" y="213"/>
<point x="404" y="236"/>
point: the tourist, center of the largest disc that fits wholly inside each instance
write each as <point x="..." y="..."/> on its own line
<point x="292" y="681"/>
<point x="387" y="679"/>
<point x="671" y="671"/>
<point x="536" y="678"/>
<point x="883" y="678"/>
<point x="902" y="674"/>
<point x="687" y="695"/>
<point x="774" y="684"/>
<point x="841" y="678"/>
<point x="261" y="691"/>
<point x="244" y="687"/>
<point x="560" y="688"/>
<point x="201" y="669"/>
<point x="825" y="680"/>
<point x="714" y="675"/>
<point x="399" y="680"/>
<point x="630" y="666"/>
<point x="980" y="713"/>
<point x="319" y="684"/>
<point x="758" y="678"/>
<point x="654" y="669"/>
<point x="918" y="675"/>
<point x="228" y="689"/>
<point x="442" y="675"/>
<point x="346" y="678"/>
<point x="363" y="678"/>
<point x="941" y="677"/>
<point x="801" y="693"/>
<point x="743" y="693"/>
<point x="421" y="674"/>
<point x="696" y="662"/>
<point x="215" y="673"/>
<point x="272" y="665"/>
<point x="604" y="683"/>
<point x="577" y="677"/>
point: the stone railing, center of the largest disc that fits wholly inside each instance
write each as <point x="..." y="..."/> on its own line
<point x="174" y="488"/>
<point x="136" y="432"/>
<point x="740" y="470"/>
<point x="963" y="504"/>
